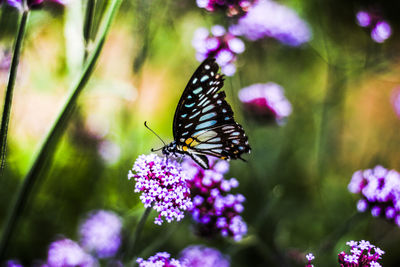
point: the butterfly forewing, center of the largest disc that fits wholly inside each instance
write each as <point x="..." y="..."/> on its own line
<point x="203" y="121"/>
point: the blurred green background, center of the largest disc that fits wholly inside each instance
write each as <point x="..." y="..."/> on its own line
<point x="295" y="181"/>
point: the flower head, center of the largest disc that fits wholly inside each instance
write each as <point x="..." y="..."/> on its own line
<point x="200" y="256"/>
<point x="163" y="185"/>
<point x="67" y="253"/>
<point x="363" y="253"/>
<point x="381" y="32"/>
<point x="218" y="43"/>
<point x="161" y="259"/>
<point x="214" y="210"/>
<point x="266" y="102"/>
<point x="101" y="233"/>
<point x="380" y="192"/>
<point x="269" y="19"/>
<point x="232" y="7"/>
<point x="310" y="257"/>
<point x="363" y="18"/>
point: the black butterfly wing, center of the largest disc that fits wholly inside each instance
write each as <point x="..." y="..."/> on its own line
<point x="203" y="121"/>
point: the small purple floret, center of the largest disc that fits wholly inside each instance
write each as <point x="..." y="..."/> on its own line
<point x="163" y="185"/>
<point x="381" y="32"/>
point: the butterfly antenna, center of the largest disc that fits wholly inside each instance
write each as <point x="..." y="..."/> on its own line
<point x="152" y="150"/>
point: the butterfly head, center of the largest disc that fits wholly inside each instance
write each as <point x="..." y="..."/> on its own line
<point x="169" y="149"/>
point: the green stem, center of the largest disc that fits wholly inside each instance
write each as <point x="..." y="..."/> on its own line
<point x="47" y="148"/>
<point x="87" y="28"/>
<point x="10" y="86"/>
<point x="131" y="247"/>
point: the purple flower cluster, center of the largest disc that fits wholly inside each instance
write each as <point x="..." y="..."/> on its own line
<point x="161" y="259"/>
<point x="215" y="211"/>
<point x="200" y="256"/>
<point x="67" y="253"/>
<point x="363" y="253"/>
<point x="269" y="19"/>
<point x="380" y="29"/>
<point x="380" y="192"/>
<point x="265" y="102"/>
<point x="163" y="185"/>
<point x="232" y="7"/>
<point x="222" y="45"/>
<point x="310" y="257"/>
<point x="101" y="233"/>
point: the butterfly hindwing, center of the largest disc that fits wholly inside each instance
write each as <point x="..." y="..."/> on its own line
<point x="203" y="121"/>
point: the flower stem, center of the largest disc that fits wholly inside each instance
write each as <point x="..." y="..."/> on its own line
<point x="47" y="148"/>
<point x="131" y="247"/>
<point x="10" y="86"/>
<point x="87" y="28"/>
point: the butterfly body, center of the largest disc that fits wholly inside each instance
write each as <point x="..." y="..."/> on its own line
<point x="203" y="122"/>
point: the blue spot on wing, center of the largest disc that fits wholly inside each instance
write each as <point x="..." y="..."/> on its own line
<point x="206" y="124"/>
<point x="198" y="90"/>
<point x="190" y="105"/>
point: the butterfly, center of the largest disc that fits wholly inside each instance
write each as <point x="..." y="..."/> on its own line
<point x="203" y="121"/>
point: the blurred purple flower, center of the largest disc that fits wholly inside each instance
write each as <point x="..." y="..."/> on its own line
<point x="67" y="253"/>
<point x="232" y="7"/>
<point x="13" y="263"/>
<point x="101" y="233"/>
<point x="380" y="29"/>
<point x="5" y="59"/>
<point x="310" y="257"/>
<point x="214" y="211"/>
<point x="363" y="253"/>
<point x="380" y="192"/>
<point x="222" y="45"/>
<point x="163" y="185"/>
<point x="363" y="18"/>
<point x="161" y="259"/>
<point x="396" y="100"/>
<point x="265" y="102"/>
<point x="381" y="32"/>
<point x="201" y="256"/>
<point x="269" y="19"/>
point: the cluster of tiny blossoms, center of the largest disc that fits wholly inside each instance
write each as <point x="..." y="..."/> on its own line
<point x="380" y="29"/>
<point x="310" y="257"/>
<point x="215" y="211"/>
<point x="380" y="192"/>
<point x="363" y="253"/>
<point x="266" y="102"/>
<point x="270" y="19"/>
<point x="232" y="7"/>
<point x="65" y="253"/>
<point x="161" y="259"/>
<point x="163" y="185"/>
<point x="218" y="43"/>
